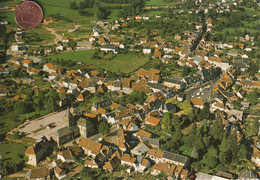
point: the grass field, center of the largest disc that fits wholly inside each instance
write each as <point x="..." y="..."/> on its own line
<point x="11" y="151"/>
<point x="154" y="12"/>
<point x="124" y="63"/>
<point x="76" y="56"/>
<point x="8" y="16"/>
<point x="119" y="63"/>
<point x="155" y="3"/>
<point x="9" y="121"/>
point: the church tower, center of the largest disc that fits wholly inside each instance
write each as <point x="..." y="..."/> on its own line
<point x="68" y="118"/>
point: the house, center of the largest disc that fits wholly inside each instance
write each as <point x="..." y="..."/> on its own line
<point x="108" y="48"/>
<point x="91" y="148"/>
<point x="38" y="151"/>
<point x="138" y="17"/>
<point x="152" y="121"/>
<point x="174" y="82"/>
<point x="142" y="133"/>
<point x="176" y="159"/>
<point x="49" y="68"/>
<point x="27" y="63"/>
<point x="154" y="155"/>
<point x="146" y="17"/>
<point x="197" y="102"/>
<point x="59" y="48"/>
<point x="112" y="164"/>
<point x="256" y="156"/>
<point x="147" y="50"/>
<point x="163" y="167"/>
<point x="150" y="142"/>
<point x="32" y="71"/>
<point x="41" y="173"/>
<point x="61" y="170"/>
<point x="177" y="37"/>
<point x="145" y="164"/>
<point x="91" y="163"/>
<point x="65" y="40"/>
<point x="140" y="149"/>
<point x="48" y="20"/>
<point x="157" y="54"/>
<point x="70" y="152"/>
<point x="128" y="160"/>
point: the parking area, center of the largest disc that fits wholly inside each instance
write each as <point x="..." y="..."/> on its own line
<point x="42" y="126"/>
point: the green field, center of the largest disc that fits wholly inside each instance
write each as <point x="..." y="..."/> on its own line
<point x="76" y="56"/>
<point x="8" y="16"/>
<point x="11" y="151"/>
<point x="155" y="3"/>
<point x="119" y="63"/>
<point x="125" y="63"/>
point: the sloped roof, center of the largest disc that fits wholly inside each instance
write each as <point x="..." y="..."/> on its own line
<point x="88" y="144"/>
<point x="152" y="120"/>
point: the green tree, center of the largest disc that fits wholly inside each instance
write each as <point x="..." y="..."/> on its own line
<point x="73" y="5"/>
<point x="212" y="161"/>
<point x="185" y="71"/>
<point x="243" y="152"/>
<point x="216" y="130"/>
<point x="187" y="107"/>
<point x="19" y="107"/>
<point x="103" y="128"/>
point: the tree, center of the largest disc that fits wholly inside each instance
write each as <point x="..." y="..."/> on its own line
<point x="225" y="157"/>
<point x="19" y="107"/>
<point x="103" y="128"/>
<point x="187" y="107"/>
<point x="217" y="130"/>
<point x="212" y="161"/>
<point x="243" y="152"/>
<point x="185" y="71"/>
<point x="73" y="5"/>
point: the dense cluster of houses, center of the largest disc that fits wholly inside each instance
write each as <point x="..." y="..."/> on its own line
<point x="133" y="145"/>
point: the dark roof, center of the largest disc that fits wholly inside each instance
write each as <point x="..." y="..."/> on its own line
<point x="156" y="86"/>
<point x="175" y="157"/>
<point x="62" y="131"/>
<point x="38" y="173"/>
<point x="109" y="46"/>
<point x="174" y="80"/>
<point x="150" y="141"/>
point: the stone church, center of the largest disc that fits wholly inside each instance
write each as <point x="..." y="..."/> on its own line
<point x="72" y="129"/>
<point x="67" y="133"/>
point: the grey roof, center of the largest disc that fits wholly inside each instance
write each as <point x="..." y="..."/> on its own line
<point x="174" y="80"/>
<point x="140" y="149"/>
<point x="175" y="157"/>
<point x="62" y="131"/>
<point x="156" y="86"/>
<point x="109" y="46"/>
<point x="151" y="141"/>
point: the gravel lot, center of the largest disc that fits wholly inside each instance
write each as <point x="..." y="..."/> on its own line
<point x="38" y="128"/>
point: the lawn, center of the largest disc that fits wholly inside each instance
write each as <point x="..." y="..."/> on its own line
<point x="154" y="12"/>
<point x="9" y="121"/>
<point x="125" y="63"/>
<point x="155" y="3"/>
<point x="8" y="16"/>
<point x="76" y="56"/>
<point x="11" y="151"/>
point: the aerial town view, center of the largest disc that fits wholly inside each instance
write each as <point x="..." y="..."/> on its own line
<point x="130" y="89"/>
